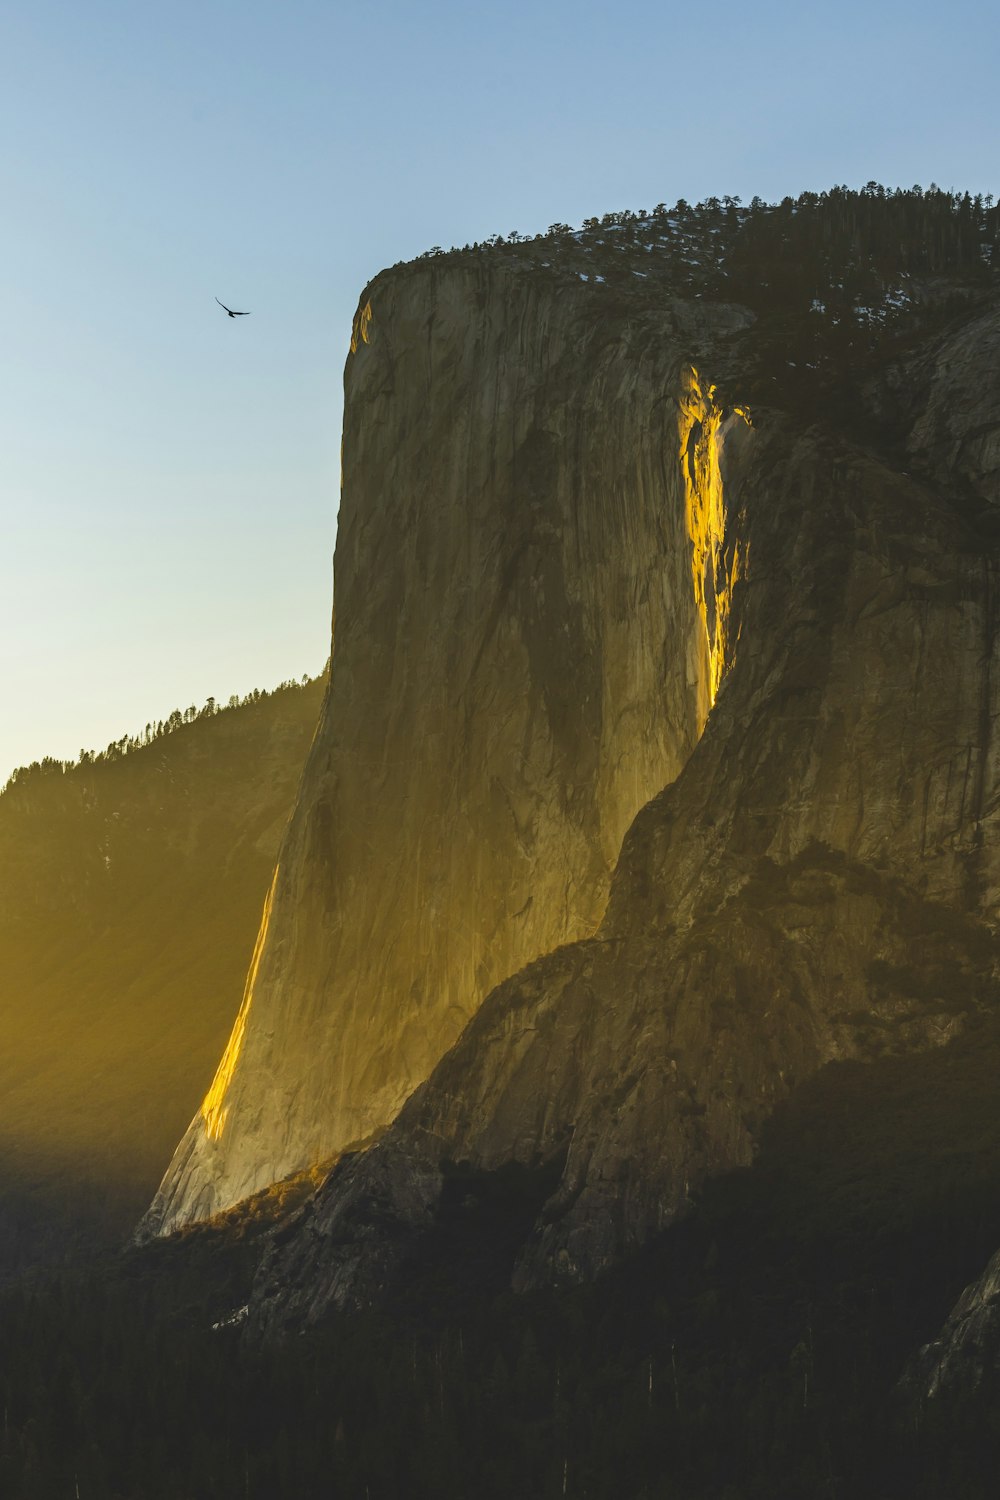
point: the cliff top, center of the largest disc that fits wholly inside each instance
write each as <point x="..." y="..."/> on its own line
<point x="837" y="281"/>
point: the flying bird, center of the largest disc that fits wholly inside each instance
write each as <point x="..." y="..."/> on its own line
<point x="230" y="311"/>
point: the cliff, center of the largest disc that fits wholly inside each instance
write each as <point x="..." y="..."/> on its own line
<point x="532" y="583"/>
<point x="820" y="880"/>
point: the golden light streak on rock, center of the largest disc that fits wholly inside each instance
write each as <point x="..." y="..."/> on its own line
<point x="359" y="329"/>
<point x="703" y="428"/>
<point x="214" y="1108"/>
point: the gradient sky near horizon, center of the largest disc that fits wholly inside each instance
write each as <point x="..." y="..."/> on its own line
<point x="169" y="476"/>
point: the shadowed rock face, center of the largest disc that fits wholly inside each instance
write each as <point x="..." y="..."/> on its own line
<point x="820" y="882"/>
<point x="967" y="1348"/>
<point x="533" y="583"/>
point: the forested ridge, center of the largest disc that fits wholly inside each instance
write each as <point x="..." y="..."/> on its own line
<point x="131" y="887"/>
<point x="824" y="248"/>
<point x="834" y="279"/>
<point x="29" y="776"/>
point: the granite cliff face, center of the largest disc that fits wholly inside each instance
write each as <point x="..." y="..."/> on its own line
<point x="819" y="882"/>
<point x="534" y="573"/>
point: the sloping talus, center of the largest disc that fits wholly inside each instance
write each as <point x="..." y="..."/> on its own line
<point x="532" y="595"/>
<point x="820" y="882"/>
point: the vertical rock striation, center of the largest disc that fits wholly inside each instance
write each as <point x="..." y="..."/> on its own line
<point x="532" y="581"/>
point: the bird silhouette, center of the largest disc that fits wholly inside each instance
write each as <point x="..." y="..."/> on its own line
<point x="230" y="311"/>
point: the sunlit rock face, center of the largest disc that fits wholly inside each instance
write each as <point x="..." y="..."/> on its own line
<point x="532" y="585"/>
<point x="820" y="882"/>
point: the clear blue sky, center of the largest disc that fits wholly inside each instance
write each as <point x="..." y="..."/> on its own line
<point x="168" y="476"/>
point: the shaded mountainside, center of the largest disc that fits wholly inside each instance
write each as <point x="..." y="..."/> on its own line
<point x="751" y="1350"/>
<point x="131" y="890"/>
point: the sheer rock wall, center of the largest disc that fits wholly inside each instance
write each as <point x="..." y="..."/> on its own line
<point x="820" y="882"/>
<point x="532" y="586"/>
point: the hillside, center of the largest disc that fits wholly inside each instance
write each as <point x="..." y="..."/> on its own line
<point x="131" y="886"/>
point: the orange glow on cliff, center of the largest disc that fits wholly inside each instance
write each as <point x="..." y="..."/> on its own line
<point x="214" y="1108"/>
<point x="712" y="574"/>
<point x="359" y="328"/>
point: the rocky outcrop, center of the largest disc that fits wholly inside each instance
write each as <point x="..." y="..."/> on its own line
<point x="534" y="573"/>
<point x="820" y="882"/>
<point x="966" y="1350"/>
